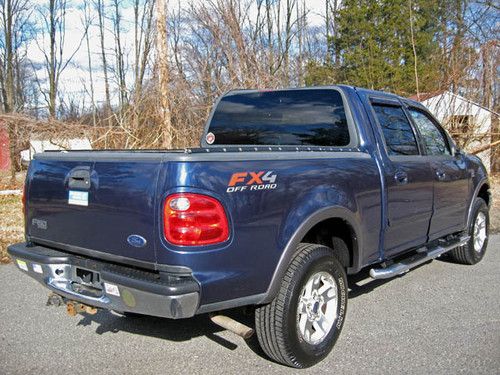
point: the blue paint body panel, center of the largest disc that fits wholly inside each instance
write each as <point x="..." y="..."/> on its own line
<point x="127" y="189"/>
<point x="262" y="222"/>
<point x="121" y="202"/>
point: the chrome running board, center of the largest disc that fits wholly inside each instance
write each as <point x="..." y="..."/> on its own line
<point x="417" y="259"/>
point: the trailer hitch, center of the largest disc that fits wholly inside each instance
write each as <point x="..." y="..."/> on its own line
<point x="73" y="308"/>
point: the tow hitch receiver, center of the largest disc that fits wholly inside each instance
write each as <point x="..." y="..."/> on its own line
<point x="73" y="308"/>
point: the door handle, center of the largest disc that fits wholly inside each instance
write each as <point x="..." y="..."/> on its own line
<point x="401" y="177"/>
<point x="441" y="175"/>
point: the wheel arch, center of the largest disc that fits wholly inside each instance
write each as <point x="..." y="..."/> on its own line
<point x="482" y="190"/>
<point x="485" y="193"/>
<point x="312" y="226"/>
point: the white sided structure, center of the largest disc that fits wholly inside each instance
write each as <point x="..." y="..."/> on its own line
<point x="41" y="145"/>
<point x="468" y="122"/>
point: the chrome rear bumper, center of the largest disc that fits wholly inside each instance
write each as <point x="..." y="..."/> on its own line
<point x="119" y="288"/>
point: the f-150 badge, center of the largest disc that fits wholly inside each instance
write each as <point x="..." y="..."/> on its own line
<point x="252" y="181"/>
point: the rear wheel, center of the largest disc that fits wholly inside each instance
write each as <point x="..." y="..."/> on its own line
<point x="474" y="250"/>
<point x="301" y="325"/>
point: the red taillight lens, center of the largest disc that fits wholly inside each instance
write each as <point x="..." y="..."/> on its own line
<point x="191" y="219"/>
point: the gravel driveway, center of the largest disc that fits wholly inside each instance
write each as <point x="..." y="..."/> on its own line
<point x="439" y="318"/>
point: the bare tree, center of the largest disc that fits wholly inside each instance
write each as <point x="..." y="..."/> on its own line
<point x="119" y="56"/>
<point x="87" y="23"/>
<point x="163" y="73"/>
<point x="53" y="21"/>
<point x="101" y="17"/>
<point x="143" y="41"/>
<point x="412" y="37"/>
<point x="290" y="4"/>
<point x="14" y="18"/>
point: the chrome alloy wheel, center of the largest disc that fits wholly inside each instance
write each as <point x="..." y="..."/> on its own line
<point x="479" y="232"/>
<point x="317" y="308"/>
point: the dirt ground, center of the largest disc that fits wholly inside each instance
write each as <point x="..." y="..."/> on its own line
<point x="11" y="214"/>
<point x="12" y="223"/>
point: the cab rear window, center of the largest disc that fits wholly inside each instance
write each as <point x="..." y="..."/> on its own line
<point x="284" y="117"/>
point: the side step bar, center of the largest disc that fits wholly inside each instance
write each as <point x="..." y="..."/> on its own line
<point x="415" y="260"/>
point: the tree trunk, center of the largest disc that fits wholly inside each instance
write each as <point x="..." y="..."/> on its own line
<point x="288" y="41"/>
<point x="107" y="105"/>
<point x="120" y="65"/>
<point x="412" y="35"/>
<point x="163" y="74"/>
<point x="9" y="58"/>
<point x="52" y="62"/>
<point x="89" y="62"/>
<point x="11" y="130"/>
<point x="270" y="44"/>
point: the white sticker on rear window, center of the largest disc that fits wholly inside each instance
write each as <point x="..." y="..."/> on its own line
<point x="22" y="265"/>
<point x="79" y="198"/>
<point x="210" y="138"/>
<point x="112" y="289"/>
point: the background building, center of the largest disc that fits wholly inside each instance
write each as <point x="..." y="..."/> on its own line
<point x="471" y="125"/>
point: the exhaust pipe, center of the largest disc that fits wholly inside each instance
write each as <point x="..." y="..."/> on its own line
<point x="232" y="325"/>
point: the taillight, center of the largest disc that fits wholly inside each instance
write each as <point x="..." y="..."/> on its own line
<point x="191" y="219"/>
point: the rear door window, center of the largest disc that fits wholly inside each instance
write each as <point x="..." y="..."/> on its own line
<point x="283" y="117"/>
<point x="398" y="133"/>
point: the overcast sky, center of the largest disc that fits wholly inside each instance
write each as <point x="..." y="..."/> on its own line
<point x="75" y="78"/>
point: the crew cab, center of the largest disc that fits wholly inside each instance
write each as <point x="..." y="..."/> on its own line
<point x="290" y="191"/>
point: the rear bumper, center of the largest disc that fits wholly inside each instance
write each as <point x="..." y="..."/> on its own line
<point x="119" y="288"/>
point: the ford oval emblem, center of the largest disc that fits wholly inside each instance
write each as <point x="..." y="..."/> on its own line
<point x="136" y="241"/>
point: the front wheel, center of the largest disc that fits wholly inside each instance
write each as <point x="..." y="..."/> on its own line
<point x="301" y="325"/>
<point x="473" y="251"/>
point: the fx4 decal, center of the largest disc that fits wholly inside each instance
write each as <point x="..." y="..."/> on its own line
<point x="253" y="181"/>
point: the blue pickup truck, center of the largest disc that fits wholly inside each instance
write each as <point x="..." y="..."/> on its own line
<point x="290" y="191"/>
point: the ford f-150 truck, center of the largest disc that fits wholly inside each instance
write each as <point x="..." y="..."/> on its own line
<point x="290" y="191"/>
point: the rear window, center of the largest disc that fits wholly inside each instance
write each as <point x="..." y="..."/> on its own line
<point x="288" y="117"/>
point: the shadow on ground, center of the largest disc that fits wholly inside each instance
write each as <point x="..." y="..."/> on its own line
<point x="201" y="325"/>
<point x="173" y="330"/>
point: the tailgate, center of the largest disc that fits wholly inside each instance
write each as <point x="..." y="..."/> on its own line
<point x="94" y="204"/>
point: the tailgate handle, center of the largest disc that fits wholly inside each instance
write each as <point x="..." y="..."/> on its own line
<point x="79" y="179"/>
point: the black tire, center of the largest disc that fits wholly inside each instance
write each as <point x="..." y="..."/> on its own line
<point x="341" y="251"/>
<point x="467" y="254"/>
<point x="277" y="324"/>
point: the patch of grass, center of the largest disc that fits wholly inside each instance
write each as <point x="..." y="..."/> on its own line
<point x="11" y="223"/>
<point x="7" y="184"/>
